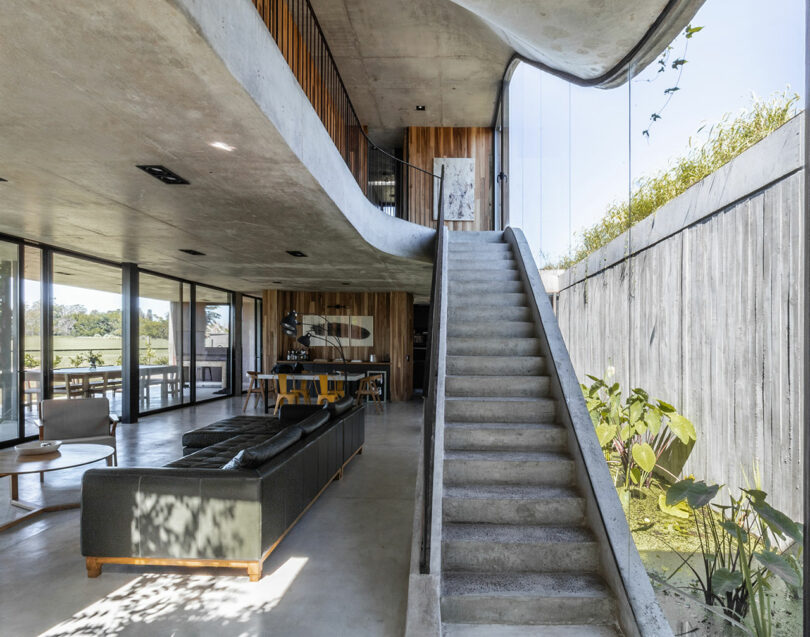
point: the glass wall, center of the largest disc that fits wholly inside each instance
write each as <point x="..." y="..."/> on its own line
<point x="666" y="216"/>
<point x="212" y="338"/>
<point x="32" y="337"/>
<point x="9" y="345"/>
<point x="160" y="341"/>
<point x="87" y="354"/>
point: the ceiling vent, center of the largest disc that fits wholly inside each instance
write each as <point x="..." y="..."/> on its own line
<point x="193" y="253"/>
<point x="296" y="253"/>
<point x="164" y="174"/>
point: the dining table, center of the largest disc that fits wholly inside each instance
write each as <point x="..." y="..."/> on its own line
<point x="351" y="377"/>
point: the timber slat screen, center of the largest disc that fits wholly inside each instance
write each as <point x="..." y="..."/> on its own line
<point x="294" y="27"/>
<point x="381" y="176"/>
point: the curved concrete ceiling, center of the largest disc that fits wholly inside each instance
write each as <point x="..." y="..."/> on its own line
<point x="92" y="89"/>
<point x="450" y="55"/>
<point x="589" y="41"/>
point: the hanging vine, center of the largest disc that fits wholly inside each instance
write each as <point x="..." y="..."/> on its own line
<point x="665" y="65"/>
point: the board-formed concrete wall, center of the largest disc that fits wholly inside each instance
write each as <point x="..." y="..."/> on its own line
<point x="706" y="315"/>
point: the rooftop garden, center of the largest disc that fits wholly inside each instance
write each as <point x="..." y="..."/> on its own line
<point x="709" y="149"/>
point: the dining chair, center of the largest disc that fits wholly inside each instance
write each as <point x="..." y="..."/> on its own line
<point x="283" y="393"/>
<point x="326" y="395"/>
<point x="255" y="389"/>
<point x="370" y="387"/>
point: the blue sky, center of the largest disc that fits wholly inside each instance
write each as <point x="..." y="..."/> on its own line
<point x="570" y="148"/>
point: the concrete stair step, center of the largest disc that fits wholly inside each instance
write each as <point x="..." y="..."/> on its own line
<point x="511" y="386"/>
<point x="526" y="598"/>
<point x="499" y="409"/>
<point x="543" y="468"/>
<point x="467" y="313"/>
<point x="477" y="246"/>
<point x="496" y="365"/>
<point x="463" y="346"/>
<point x="523" y="630"/>
<point x="505" y="436"/>
<point x="505" y="548"/>
<point x="512" y="504"/>
<point x="502" y="329"/>
<point x="499" y="274"/>
<point x="473" y="263"/>
<point x="474" y="288"/>
<point x="491" y="299"/>
<point x="491" y="236"/>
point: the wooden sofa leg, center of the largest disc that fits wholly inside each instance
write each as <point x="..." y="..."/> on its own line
<point x="93" y="567"/>
<point x="255" y="572"/>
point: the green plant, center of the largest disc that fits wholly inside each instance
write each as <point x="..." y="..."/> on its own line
<point x="740" y="550"/>
<point x="76" y="361"/>
<point x="94" y="359"/>
<point x="634" y="434"/>
<point x="57" y="361"/>
<point x="30" y="362"/>
<point x="723" y="142"/>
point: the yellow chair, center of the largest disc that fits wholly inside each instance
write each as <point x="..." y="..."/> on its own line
<point x="290" y="395"/>
<point x="326" y="395"/>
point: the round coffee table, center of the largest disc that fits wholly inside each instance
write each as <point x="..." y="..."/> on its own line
<point x="68" y="455"/>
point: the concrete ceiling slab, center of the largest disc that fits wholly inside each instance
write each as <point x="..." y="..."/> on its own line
<point x="395" y="54"/>
<point x="91" y="90"/>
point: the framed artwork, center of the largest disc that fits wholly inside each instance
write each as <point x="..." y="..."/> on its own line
<point x="459" y="188"/>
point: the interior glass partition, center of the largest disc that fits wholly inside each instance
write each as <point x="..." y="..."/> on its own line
<point x="87" y="310"/>
<point x="32" y="337"/>
<point x="9" y="342"/>
<point x="212" y="341"/>
<point x="160" y="342"/>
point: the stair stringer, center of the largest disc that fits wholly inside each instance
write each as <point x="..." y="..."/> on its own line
<point x="639" y="612"/>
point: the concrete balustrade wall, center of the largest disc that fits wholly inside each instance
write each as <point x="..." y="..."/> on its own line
<point x="706" y="314"/>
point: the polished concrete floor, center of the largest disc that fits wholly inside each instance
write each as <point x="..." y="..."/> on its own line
<point x="343" y="569"/>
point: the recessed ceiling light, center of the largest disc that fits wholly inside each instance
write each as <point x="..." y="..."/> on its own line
<point x="194" y="253"/>
<point x="222" y="146"/>
<point x="164" y="174"/>
<point x="420" y="107"/>
<point x="276" y="282"/>
<point x="64" y="273"/>
<point x="345" y="283"/>
<point x="296" y="253"/>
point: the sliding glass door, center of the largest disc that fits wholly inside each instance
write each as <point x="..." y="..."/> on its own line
<point x="9" y="341"/>
<point x="212" y="340"/>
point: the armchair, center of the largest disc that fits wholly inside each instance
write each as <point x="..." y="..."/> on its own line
<point x="83" y="420"/>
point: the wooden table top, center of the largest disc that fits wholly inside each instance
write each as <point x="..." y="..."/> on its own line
<point x="68" y="455"/>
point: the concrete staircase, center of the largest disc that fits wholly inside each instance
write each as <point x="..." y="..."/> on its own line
<point x="517" y="553"/>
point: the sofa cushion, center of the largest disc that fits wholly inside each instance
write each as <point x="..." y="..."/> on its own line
<point x="222" y="430"/>
<point x="340" y="407"/>
<point x="215" y="456"/>
<point x="292" y="414"/>
<point x="315" y="421"/>
<point x="257" y="455"/>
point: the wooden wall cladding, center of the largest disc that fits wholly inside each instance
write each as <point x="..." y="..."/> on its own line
<point x="393" y="329"/>
<point x="423" y="144"/>
<point x="286" y="20"/>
